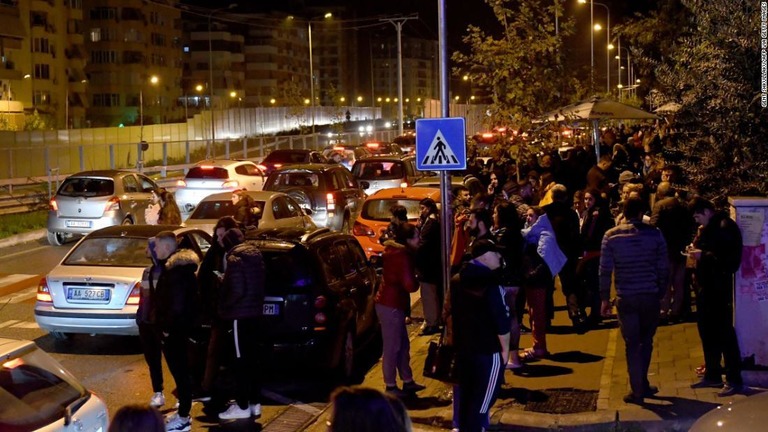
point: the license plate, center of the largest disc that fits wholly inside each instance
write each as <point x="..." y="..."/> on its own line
<point x="78" y="224"/>
<point x="271" y="309"/>
<point x="100" y="294"/>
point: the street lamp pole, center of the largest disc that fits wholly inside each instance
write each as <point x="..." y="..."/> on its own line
<point x="311" y="79"/>
<point x="210" y="78"/>
<point x="398" y="23"/>
<point x="592" y="44"/>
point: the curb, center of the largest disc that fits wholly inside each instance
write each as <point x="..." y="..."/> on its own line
<point x="23" y="238"/>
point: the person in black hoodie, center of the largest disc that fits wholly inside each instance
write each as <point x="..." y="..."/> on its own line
<point x="241" y="304"/>
<point x="175" y="306"/>
<point x="481" y="322"/>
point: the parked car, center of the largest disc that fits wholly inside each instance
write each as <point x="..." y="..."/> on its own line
<point x="319" y="295"/>
<point x="378" y="148"/>
<point x="90" y="200"/>
<point x="745" y="414"/>
<point x="95" y="288"/>
<point x="380" y="172"/>
<point x="375" y="215"/>
<point x="38" y="394"/>
<point x="407" y="142"/>
<point x="276" y="209"/>
<point x="330" y="192"/>
<point x="284" y="157"/>
<point x="213" y="176"/>
<point x="474" y="185"/>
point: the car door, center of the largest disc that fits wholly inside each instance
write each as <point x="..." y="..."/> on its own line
<point x="250" y="177"/>
<point x="366" y="282"/>
<point x="133" y="200"/>
<point x="350" y="191"/>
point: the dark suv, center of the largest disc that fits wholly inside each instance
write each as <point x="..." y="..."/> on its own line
<point x="319" y="294"/>
<point x="330" y="192"/>
<point x="284" y="157"/>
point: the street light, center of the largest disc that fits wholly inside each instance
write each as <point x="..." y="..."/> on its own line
<point x="327" y="15"/>
<point x="608" y="47"/>
<point x="142" y="144"/>
<point x="210" y="75"/>
<point x="592" y="44"/>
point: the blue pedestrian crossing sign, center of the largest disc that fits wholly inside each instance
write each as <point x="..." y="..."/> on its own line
<point x="441" y="144"/>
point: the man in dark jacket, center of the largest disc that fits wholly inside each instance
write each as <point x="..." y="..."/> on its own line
<point x="481" y="322"/>
<point x="429" y="266"/>
<point x="175" y="309"/>
<point x="241" y="305"/>
<point x="636" y="255"/>
<point x="671" y="217"/>
<point x="718" y="255"/>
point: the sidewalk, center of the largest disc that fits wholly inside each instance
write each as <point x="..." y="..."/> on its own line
<point x="579" y="388"/>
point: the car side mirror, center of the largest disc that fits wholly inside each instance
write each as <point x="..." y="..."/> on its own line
<point x="307" y="211"/>
<point x="364" y="185"/>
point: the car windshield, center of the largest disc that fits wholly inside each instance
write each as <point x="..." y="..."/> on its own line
<point x="286" y="157"/>
<point x="219" y="209"/>
<point x="378" y="170"/>
<point x="378" y="209"/>
<point x="87" y="187"/>
<point x="35" y="391"/>
<point x="304" y="179"/>
<point x="207" y="172"/>
<point x="110" y="252"/>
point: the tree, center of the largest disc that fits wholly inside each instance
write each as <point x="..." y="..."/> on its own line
<point x="521" y="69"/>
<point x="297" y="109"/>
<point x="713" y="71"/>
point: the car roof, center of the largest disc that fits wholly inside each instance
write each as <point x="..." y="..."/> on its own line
<point x="257" y="195"/>
<point x="136" y="230"/>
<point x="222" y="162"/>
<point x="292" y="151"/>
<point x="409" y="192"/>
<point x="308" y="167"/>
<point x="102" y="173"/>
<point x="291" y="235"/>
<point x="386" y="157"/>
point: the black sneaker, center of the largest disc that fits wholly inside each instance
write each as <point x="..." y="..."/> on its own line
<point x="631" y="398"/>
<point x="429" y="330"/>
<point x="413" y="387"/>
<point x="396" y="392"/>
<point x="650" y="391"/>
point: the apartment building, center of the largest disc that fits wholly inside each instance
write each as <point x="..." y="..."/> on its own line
<point x="421" y="70"/>
<point x="134" y="64"/>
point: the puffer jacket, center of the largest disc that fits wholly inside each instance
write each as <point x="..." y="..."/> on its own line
<point x="398" y="277"/>
<point x="176" y="291"/>
<point x="242" y="292"/>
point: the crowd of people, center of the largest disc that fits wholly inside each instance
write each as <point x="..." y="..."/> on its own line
<point x="621" y="224"/>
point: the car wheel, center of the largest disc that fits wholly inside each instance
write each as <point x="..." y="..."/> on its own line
<point x="346" y="365"/>
<point x="127" y="221"/>
<point x="56" y="238"/>
<point x="61" y="336"/>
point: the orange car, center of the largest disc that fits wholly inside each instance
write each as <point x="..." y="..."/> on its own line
<point x="375" y="215"/>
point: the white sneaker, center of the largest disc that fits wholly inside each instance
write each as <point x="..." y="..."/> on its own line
<point x="158" y="400"/>
<point x="234" y="412"/>
<point x="256" y="410"/>
<point x="174" y="423"/>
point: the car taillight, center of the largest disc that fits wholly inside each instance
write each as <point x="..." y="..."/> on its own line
<point x="320" y="302"/>
<point x="262" y="167"/>
<point x="181" y="183"/>
<point x="331" y="202"/>
<point x="320" y="318"/>
<point x="359" y="229"/>
<point x="53" y="205"/>
<point x="278" y="166"/>
<point x="43" y="293"/>
<point x="230" y="184"/>
<point x="133" y="298"/>
<point x="113" y="204"/>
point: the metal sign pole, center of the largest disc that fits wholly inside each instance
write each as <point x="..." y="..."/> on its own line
<point x="445" y="180"/>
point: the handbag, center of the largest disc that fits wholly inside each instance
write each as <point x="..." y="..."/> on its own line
<point x="441" y="362"/>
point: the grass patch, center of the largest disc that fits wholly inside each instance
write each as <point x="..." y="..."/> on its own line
<point x="13" y="224"/>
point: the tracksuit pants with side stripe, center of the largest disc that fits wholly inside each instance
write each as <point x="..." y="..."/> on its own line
<point x="480" y="378"/>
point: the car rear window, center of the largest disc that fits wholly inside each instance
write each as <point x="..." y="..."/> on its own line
<point x="303" y="179"/>
<point x="378" y="209"/>
<point x="110" y="252"/>
<point x="378" y="170"/>
<point x="35" y="391"/>
<point x="207" y="172"/>
<point x="285" y="157"/>
<point x="219" y="209"/>
<point x="87" y="187"/>
<point x="287" y="271"/>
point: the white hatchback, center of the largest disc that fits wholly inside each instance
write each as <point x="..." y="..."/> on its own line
<point x="38" y="394"/>
<point x="213" y="176"/>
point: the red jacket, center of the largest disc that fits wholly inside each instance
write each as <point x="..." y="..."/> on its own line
<point x="398" y="277"/>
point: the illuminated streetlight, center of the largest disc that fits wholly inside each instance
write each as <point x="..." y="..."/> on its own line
<point x="233" y="94"/>
<point x="598" y="27"/>
<point x="306" y="101"/>
<point x="387" y="100"/>
<point x="342" y="99"/>
<point x="272" y="101"/>
<point x="378" y="99"/>
<point x="359" y="98"/>
<point x="199" y="87"/>
<point x="139" y="159"/>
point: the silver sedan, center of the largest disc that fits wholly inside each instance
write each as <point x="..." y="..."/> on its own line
<point x="95" y="288"/>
